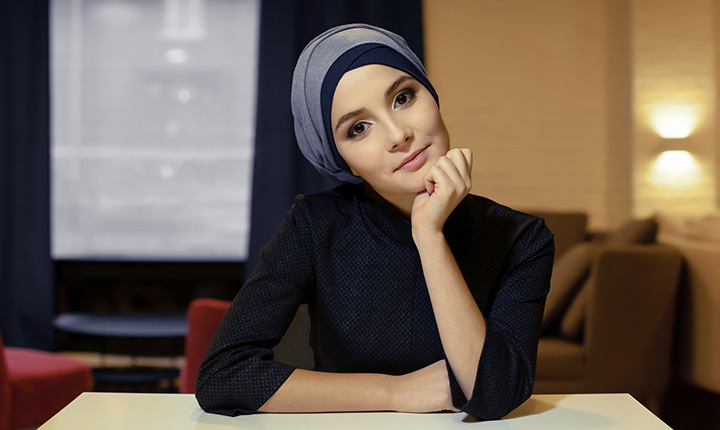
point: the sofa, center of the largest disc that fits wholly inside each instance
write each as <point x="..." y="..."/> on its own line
<point x="609" y="318"/>
<point x="698" y="347"/>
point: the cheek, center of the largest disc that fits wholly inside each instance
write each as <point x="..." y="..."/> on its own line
<point x="363" y="163"/>
<point x="430" y="120"/>
<point x="440" y="131"/>
<point x="363" y="158"/>
<point x="445" y="134"/>
<point x="353" y="158"/>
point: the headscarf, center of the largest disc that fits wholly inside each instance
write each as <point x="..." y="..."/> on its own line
<point x="317" y="72"/>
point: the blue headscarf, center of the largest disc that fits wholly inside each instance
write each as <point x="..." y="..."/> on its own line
<point x="319" y="69"/>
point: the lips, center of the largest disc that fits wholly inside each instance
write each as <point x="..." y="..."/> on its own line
<point x="412" y="161"/>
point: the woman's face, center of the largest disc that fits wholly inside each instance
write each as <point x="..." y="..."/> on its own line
<point x="388" y="129"/>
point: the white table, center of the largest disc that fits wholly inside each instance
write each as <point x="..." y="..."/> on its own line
<point x="181" y="411"/>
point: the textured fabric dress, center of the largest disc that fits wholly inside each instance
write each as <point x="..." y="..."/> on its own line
<point x="350" y="255"/>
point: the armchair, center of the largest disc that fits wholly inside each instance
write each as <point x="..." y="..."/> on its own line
<point x="204" y="316"/>
<point x="35" y="385"/>
<point x="613" y="328"/>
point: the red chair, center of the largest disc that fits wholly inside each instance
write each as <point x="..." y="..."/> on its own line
<point x="204" y="316"/>
<point x="35" y="385"/>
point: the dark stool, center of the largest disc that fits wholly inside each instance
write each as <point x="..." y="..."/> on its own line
<point x="131" y="326"/>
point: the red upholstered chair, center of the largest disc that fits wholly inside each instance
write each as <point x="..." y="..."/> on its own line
<point x="204" y="316"/>
<point x="35" y="385"/>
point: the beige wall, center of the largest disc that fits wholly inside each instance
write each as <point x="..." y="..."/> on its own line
<point x="547" y="93"/>
<point x="674" y="74"/>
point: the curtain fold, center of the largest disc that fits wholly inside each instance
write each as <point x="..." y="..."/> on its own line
<point x="280" y="171"/>
<point x="27" y="286"/>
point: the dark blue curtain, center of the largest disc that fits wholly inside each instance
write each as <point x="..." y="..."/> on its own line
<point x="280" y="170"/>
<point x="27" y="289"/>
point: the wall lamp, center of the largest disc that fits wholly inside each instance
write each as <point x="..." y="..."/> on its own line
<point x="676" y="144"/>
<point x="675" y="167"/>
<point x="674" y="121"/>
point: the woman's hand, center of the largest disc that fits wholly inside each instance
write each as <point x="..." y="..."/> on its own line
<point x="446" y="184"/>
<point x="424" y="390"/>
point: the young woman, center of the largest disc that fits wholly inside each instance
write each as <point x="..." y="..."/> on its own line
<point x="422" y="296"/>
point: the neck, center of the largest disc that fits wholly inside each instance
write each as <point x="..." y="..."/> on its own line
<point x="403" y="203"/>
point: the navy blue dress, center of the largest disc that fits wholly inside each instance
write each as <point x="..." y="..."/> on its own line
<point x="350" y="255"/>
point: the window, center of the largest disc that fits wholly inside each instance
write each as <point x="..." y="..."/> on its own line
<point x="153" y="128"/>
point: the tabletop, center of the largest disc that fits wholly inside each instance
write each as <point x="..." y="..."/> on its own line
<point x="181" y="411"/>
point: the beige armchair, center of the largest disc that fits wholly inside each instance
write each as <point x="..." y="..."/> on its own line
<point x="698" y="347"/>
<point x="610" y="316"/>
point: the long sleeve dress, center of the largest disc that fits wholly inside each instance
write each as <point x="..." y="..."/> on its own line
<point x="351" y="257"/>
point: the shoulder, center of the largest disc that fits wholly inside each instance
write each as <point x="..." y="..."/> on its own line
<point x="491" y="213"/>
<point x="499" y="223"/>
<point x="328" y="206"/>
<point x="310" y="221"/>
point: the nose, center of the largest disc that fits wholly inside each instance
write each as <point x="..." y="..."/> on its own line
<point x="399" y="134"/>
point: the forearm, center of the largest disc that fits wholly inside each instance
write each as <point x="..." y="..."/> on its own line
<point x="460" y="322"/>
<point x="424" y="390"/>
<point x="311" y="391"/>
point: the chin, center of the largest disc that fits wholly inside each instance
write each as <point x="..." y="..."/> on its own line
<point x="420" y="190"/>
<point x="419" y="186"/>
<point x="407" y="188"/>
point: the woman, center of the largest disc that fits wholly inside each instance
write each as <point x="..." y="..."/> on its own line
<point x="422" y="296"/>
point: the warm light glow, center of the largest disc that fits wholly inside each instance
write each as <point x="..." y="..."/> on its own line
<point x="675" y="169"/>
<point x="674" y="121"/>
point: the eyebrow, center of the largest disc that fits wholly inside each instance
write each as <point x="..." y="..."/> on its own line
<point x="391" y="89"/>
<point x="345" y="118"/>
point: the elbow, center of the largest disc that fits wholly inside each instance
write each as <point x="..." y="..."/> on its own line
<point x="504" y="381"/>
<point x="208" y="399"/>
<point x="217" y="400"/>
<point x="498" y="404"/>
<point x="238" y="387"/>
<point x="204" y="389"/>
<point x="206" y="402"/>
<point x="214" y="392"/>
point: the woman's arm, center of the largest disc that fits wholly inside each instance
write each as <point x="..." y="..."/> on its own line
<point x="502" y="344"/>
<point x="425" y="390"/>
<point x="460" y="322"/>
<point x="239" y="375"/>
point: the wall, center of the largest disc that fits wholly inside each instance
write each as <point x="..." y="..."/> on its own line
<point x="674" y="63"/>
<point x="525" y="84"/>
<point x="552" y="96"/>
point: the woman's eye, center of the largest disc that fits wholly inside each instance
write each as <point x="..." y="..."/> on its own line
<point x="357" y="129"/>
<point x="404" y="97"/>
